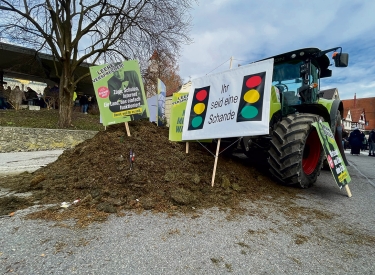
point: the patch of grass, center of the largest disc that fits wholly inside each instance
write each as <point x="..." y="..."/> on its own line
<point x="48" y="119"/>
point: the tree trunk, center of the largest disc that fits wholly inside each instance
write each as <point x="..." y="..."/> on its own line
<point x="66" y="97"/>
<point x="65" y="109"/>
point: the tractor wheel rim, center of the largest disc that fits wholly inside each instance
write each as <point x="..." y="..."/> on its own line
<point x="311" y="153"/>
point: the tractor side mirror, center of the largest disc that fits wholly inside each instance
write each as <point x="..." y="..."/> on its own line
<point x="341" y="59"/>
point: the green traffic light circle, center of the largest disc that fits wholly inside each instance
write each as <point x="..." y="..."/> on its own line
<point x="249" y="112"/>
<point x="197" y="121"/>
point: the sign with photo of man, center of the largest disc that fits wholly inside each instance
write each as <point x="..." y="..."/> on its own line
<point x="119" y="91"/>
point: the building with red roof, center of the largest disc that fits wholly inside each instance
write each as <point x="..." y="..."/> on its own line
<point x="359" y="112"/>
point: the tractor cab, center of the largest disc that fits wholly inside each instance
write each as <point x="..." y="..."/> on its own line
<point x="296" y="75"/>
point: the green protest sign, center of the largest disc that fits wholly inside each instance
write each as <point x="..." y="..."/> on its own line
<point x="332" y="152"/>
<point x="119" y="92"/>
<point x="176" y="120"/>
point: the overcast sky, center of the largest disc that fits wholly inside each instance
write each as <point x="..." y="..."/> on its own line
<point x="251" y="30"/>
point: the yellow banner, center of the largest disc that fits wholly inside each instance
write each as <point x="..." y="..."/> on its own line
<point x="128" y="112"/>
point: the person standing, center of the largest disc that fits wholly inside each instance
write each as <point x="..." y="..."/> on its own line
<point x="89" y="101"/>
<point x="2" y="98"/>
<point x="16" y="97"/>
<point x="371" y="141"/>
<point x="355" y="141"/>
<point x="31" y="96"/>
<point x="54" y="96"/>
<point x="7" y="93"/>
<point x="77" y="105"/>
<point x="84" y="102"/>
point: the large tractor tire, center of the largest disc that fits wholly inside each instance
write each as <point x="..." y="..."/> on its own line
<point x="296" y="154"/>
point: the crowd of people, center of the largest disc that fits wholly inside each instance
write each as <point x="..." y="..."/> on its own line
<point x="14" y="98"/>
<point x="11" y="98"/>
<point x="358" y="142"/>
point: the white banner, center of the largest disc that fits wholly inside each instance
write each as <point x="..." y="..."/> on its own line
<point x="233" y="103"/>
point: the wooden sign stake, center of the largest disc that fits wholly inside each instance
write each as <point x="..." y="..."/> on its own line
<point x="187" y="147"/>
<point x="127" y="129"/>
<point x="348" y="191"/>
<point x="215" y="165"/>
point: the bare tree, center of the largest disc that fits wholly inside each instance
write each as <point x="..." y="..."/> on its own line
<point x="93" y="31"/>
<point x="162" y="65"/>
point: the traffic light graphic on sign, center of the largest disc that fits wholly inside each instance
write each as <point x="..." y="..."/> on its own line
<point x="198" y="108"/>
<point x="251" y="102"/>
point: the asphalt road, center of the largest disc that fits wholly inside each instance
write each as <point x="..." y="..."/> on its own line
<point x="17" y="162"/>
<point x="364" y="165"/>
<point x="334" y="235"/>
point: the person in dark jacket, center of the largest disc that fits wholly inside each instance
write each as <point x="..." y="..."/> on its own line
<point x="2" y="97"/>
<point x="31" y="96"/>
<point x="371" y="141"/>
<point x="84" y="102"/>
<point x="355" y="141"/>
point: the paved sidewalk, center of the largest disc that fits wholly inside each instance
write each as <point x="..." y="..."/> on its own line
<point x="17" y="162"/>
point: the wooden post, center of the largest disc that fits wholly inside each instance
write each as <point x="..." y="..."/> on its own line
<point x="348" y="191"/>
<point x="215" y="165"/>
<point x="187" y="147"/>
<point x="127" y="129"/>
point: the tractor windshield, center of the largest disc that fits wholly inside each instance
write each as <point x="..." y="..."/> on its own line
<point x="287" y="78"/>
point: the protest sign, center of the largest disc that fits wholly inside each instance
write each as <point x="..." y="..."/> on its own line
<point x="119" y="92"/>
<point x="332" y="152"/>
<point x="162" y="92"/>
<point x="176" y="120"/>
<point x="233" y="103"/>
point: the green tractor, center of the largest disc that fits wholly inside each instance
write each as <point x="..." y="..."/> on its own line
<point x="295" y="154"/>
